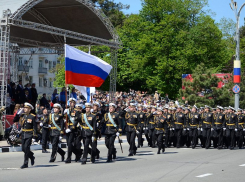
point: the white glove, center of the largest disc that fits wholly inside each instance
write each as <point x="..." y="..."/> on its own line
<point x="188" y="128"/>
<point x="184" y="129"/>
<point x="60" y="138"/>
<point x="201" y="129"/>
<point x="243" y="129"/>
<point x="49" y="126"/>
<point x="212" y="129"/>
<point x="172" y="128"/>
<point x="146" y="128"/>
<point x="68" y="130"/>
<point x="98" y="124"/>
<point x="137" y="132"/>
<point x="235" y="129"/>
<point x="92" y="138"/>
<point x="198" y="128"/>
<point x="33" y="140"/>
<point x="224" y="128"/>
<point x="41" y="124"/>
<point x="117" y="134"/>
<point x="66" y="111"/>
<point x="20" y="111"/>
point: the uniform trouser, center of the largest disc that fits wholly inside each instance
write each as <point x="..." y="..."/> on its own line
<point x="26" y="145"/>
<point x="147" y="137"/>
<point x="160" y="141"/>
<point x="131" y="140"/>
<point x="45" y="136"/>
<point x="240" y="137"/>
<point x="55" y="147"/>
<point x="230" y="136"/>
<point x="70" y="138"/>
<point x="167" y="136"/>
<point x="152" y="137"/>
<point x="140" y="140"/>
<point x="193" y="136"/>
<point x="87" y="140"/>
<point x="78" y="145"/>
<point x="218" y="137"/>
<point x="178" y="135"/>
<point x="206" y="134"/>
<point x="109" y="142"/>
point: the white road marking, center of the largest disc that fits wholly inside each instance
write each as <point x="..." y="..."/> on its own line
<point x="9" y="168"/>
<point x="204" y="175"/>
<point x="242" y="165"/>
<point x="147" y="153"/>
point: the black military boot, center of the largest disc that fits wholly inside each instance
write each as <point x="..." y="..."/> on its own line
<point x="24" y="166"/>
<point x="158" y="152"/>
<point x="62" y="157"/>
<point x="52" y="160"/>
<point x="114" y="156"/>
<point x="130" y="153"/>
<point x="67" y="161"/>
<point x="83" y="163"/>
<point x="109" y="159"/>
<point x="32" y="160"/>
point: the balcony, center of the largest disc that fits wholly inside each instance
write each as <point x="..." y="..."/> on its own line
<point x="23" y="68"/>
<point x="42" y="70"/>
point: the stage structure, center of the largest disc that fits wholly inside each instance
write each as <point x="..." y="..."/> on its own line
<point x="43" y="26"/>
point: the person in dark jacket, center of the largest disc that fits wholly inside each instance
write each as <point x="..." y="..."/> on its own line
<point x="44" y="101"/>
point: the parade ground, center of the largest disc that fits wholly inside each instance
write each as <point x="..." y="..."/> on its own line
<point x="184" y="164"/>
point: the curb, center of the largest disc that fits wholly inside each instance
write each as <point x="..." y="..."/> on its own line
<point x="6" y="149"/>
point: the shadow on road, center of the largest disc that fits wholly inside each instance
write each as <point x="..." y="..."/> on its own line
<point x="45" y="165"/>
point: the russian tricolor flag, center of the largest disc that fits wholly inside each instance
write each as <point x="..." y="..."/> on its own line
<point x="83" y="69"/>
<point x="237" y="71"/>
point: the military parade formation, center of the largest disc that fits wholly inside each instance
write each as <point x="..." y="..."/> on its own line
<point x="163" y="126"/>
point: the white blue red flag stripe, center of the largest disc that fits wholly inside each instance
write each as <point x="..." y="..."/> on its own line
<point x="237" y="71"/>
<point x="83" y="69"/>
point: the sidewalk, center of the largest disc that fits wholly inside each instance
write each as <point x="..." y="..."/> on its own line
<point x="5" y="147"/>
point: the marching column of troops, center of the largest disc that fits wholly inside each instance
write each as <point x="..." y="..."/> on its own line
<point x="163" y="127"/>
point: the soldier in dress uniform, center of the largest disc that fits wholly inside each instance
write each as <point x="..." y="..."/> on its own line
<point x="88" y="123"/>
<point x="45" y="129"/>
<point x="146" y="126"/>
<point x="141" y="124"/>
<point x="168" y="115"/>
<point x="56" y="124"/>
<point x="161" y="127"/>
<point x="240" y="127"/>
<point x="151" y="126"/>
<point x="28" y="132"/>
<point x="179" y="123"/>
<point x="200" y="127"/>
<point x="186" y="130"/>
<point x="132" y="120"/>
<point x="71" y="130"/>
<point x="218" y="126"/>
<point x="194" y="121"/>
<point x="98" y="116"/>
<point x="226" y="114"/>
<point x="230" y="128"/>
<point x="113" y="123"/>
<point x="207" y="125"/>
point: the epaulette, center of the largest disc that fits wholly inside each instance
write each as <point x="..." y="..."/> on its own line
<point x="33" y="115"/>
<point x="93" y="113"/>
<point x="60" y="114"/>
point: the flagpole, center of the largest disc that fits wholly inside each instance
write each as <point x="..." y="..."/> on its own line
<point x="65" y="84"/>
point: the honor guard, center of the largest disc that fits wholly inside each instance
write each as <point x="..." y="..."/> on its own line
<point x="218" y="128"/>
<point x="132" y="120"/>
<point x="161" y="127"/>
<point x="194" y="124"/>
<point x="88" y="123"/>
<point x="230" y="128"/>
<point x="29" y="130"/>
<point x="45" y="129"/>
<point x="186" y="134"/>
<point x="113" y="124"/>
<point x="140" y="126"/>
<point x="168" y="115"/>
<point x="151" y="126"/>
<point x="56" y="125"/>
<point x="146" y="126"/>
<point x="179" y="123"/>
<point x="207" y="126"/>
<point x="71" y="129"/>
<point x="240" y="127"/>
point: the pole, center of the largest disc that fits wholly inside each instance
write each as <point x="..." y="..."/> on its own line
<point x="237" y="62"/>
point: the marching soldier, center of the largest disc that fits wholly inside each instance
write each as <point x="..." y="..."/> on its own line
<point x="207" y="125"/>
<point x="56" y="124"/>
<point x="179" y="123"/>
<point x="200" y="127"/>
<point x="240" y="127"/>
<point x="194" y="121"/>
<point x="132" y="120"/>
<point x="168" y="115"/>
<point x="218" y="126"/>
<point x="45" y="129"/>
<point x="71" y="130"/>
<point x="161" y="127"/>
<point x="113" y="123"/>
<point x="146" y="128"/>
<point x="29" y="130"/>
<point x="141" y="124"/>
<point x="151" y="126"/>
<point x="98" y="115"/>
<point x="230" y="128"/>
<point x="88" y="123"/>
<point x="186" y="130"/>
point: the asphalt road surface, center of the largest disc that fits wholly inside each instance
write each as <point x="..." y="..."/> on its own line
<point x="146" y="166"/>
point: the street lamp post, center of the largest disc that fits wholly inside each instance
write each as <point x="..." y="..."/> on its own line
<point x="237" y="62"/>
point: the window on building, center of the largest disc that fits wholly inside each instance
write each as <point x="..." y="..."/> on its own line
<point x="40" y="63"/>
<point x="20" y="77"/>
<point x="31" y="63"/>
<point x="40" y="81"/>
<point x="50" y="65"/>
<point x="30" y="79"/>
<point x="20" y="61"/>
<point x="50" y="84"/>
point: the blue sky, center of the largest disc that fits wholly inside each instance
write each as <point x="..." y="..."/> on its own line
<point x="221" y="8"/>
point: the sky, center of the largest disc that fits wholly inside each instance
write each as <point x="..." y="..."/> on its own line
<point x="221" y="8"/>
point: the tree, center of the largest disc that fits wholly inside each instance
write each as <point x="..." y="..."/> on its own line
<point x="203" y="90"/>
